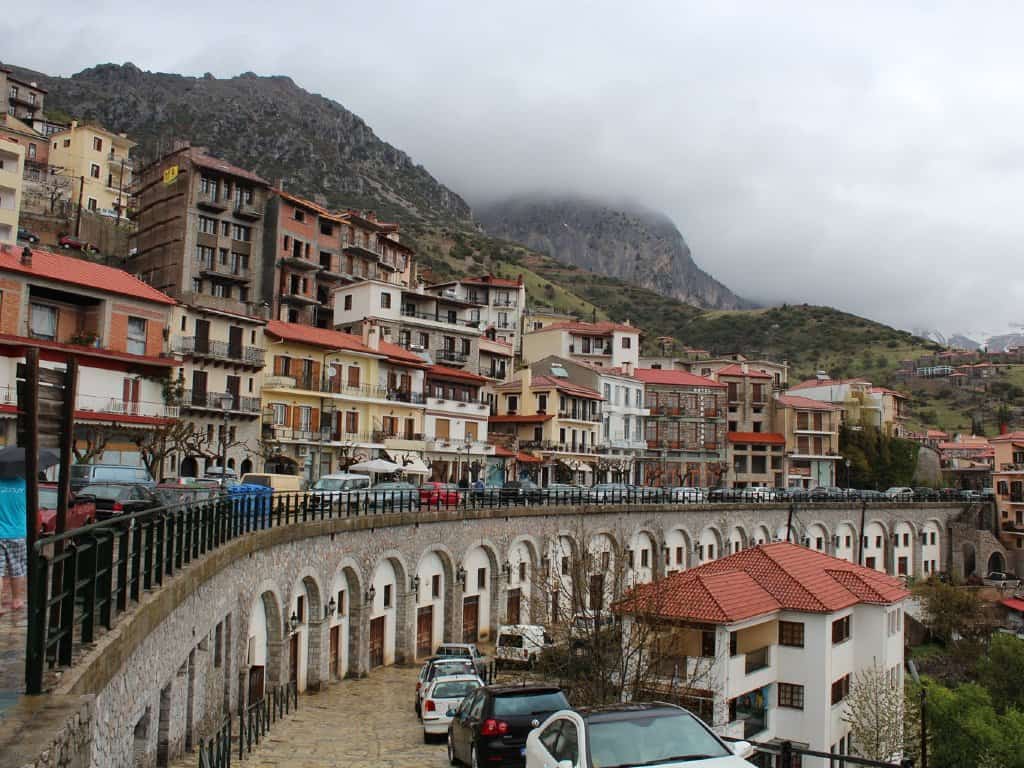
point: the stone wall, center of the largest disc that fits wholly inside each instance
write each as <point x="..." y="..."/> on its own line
<point x="164" y="678"/>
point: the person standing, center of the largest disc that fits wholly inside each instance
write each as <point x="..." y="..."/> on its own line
<point x="13" y="555"/>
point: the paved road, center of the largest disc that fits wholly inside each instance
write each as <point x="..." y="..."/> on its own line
<point x="12" y="656"/>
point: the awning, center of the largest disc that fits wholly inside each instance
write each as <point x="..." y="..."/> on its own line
<point x="410" y="462"/>
<point x="525" y="458"/>
<point x="575" y="465"/>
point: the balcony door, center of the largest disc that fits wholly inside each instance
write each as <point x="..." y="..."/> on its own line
<point x="233" y="388"/>
<point x="199" y="388"/>
<point x="203" y="336"/>
<point x="235" y="342"/>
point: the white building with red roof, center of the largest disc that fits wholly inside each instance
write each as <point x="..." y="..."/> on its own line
<point x="861" y="402"/>
<point x="606" y="344"/>
<point x="766" y="643"/>
<point x="455" y="427"/>
<point x="111" y="321"/>
<point x="501" y="301"/>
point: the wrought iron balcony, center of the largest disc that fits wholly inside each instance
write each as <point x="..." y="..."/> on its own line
<point x="212" y="401"/>
<point x="217" y="350"/>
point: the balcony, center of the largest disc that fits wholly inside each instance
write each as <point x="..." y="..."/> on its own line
<point x="576" y="349"/>
<point x="233" y="272"/>
<point x="299" y="299"/>
<point x="579" y="416"/>
<point x="211" y="203"/>
<point x="555" y="447"/>
<point x="115" y="161"/>
<point x="456" y="445"/>
<point x="757" y="660"/>
<point x="466" y="406"/>
<point x="119" y="407"/>
<point x="192" y="400"/>
<point x="436" y="317"/>
<point x="296" y="262"/>
<point x="218" y="350"/>
<point x="503" y="302"/>
<point x="1011" y="467"/>
<point x="248" y="211"/>
<point x="451" y="356"/>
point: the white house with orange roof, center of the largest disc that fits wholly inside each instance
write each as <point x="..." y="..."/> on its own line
<point x="501" y="304"/>
<point x="861" y="402"/>
<point x="765" y="644"/>
<point x="605" y="344"/>
<point x="111" y="321"/>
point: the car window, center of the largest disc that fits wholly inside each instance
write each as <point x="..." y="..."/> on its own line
<point x="549" y="736"/>
<point x="454" y="689"/>
<point x="652" y="740"/>
<point x="469" y="702"/>
<point x="529" y="703"/>
<point x="47" y="498"/>
<point x="477" y="710"/>
<point x="568" y="746"/>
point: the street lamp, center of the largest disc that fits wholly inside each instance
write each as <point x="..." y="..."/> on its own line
<point x="414" y="585"/>
<point x="293" y="622"/>
<point x="331" y="607"/>
<point x="847" y="463"/>
<point x="371" y="593"/>
<point x="507" y="569"/>
<point x="468" y="440"/>
<point x="460" y="576"/>
<point x="227" y="401"/>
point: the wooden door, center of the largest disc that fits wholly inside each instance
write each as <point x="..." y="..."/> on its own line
<point x="257" y="675"/>
<point x="470" y="618"/>
<point x="377" y="642"/>
<point x="235" y="342"/>
<point x="335" y="651"/>
<point x="512" y="609"/>
<point x="234" y="387"/>
<point x="424" y="631"/>
<point x="203" y="336"/>
<point x="293" y="658"/>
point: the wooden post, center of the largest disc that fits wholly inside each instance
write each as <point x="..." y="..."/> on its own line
<point x="67" y="431"/>
<point x="28" y="406"/>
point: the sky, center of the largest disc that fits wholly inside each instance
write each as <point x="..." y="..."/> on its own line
<point x="868" y="156"/>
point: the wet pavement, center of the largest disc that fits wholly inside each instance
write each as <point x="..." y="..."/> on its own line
<point x="13" y="625"/>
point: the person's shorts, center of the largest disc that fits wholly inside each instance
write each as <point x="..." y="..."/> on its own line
<point x="13" y="558"/>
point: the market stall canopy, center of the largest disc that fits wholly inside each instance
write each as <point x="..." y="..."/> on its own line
<point x="410" y="463"/>
<point x="379" y="466"/>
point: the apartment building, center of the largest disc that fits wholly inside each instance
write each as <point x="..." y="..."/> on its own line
<point x="455" y="424"/>
<point x="621" y="438"/>
<point x="764" y="644"/>
<point x="444" y="328"/>
<point x="811" y="430"/>
<point x="220" y="373"/>
<point x="200" y="231"/>
<point x="331" y="399"/>
<point x="501" y="304"/>
<point x="36" y="145"/>
<point x="374" y="251"/>
<point x="861" y="402"/>
<point x="686" y="429"/>
<point x="1008" y="483"/>
<point x="605" y="344"/>
<point x="12" y="168"/>
<point x="97" y="163"/>
<point x="24" y="98"/>
<point x="754" y="453"/>
<point x="552" y="419"/>
<point x="111" y="321"/>
<point x="535" y="318"/>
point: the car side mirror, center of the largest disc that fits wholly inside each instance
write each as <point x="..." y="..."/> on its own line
<point x="743" y="749"/>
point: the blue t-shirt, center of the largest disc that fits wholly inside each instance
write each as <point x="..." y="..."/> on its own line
<point x="12" y="508"/>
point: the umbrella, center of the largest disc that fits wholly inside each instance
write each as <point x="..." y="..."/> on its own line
<point x="376" y="465"/>
<point x="12" y="460"/>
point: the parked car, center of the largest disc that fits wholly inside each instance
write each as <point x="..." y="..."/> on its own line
<point x="987" y="494"/>
<point x="630" y="735"/>
<point x="758" y="494"/>
<point x="867" y="494"/>
<point x="440" y="700"/>
<point x="1001" y="579"/>
<point x="586" y="625"/>
<point x="521" y="643"/>
<point x="563" y="493"/>
<point x="949" y="494"/>
<point x="439" y="666"/>
<point x="725" y="494"/>
<point x="186" y="490"/>
<point x="899" y="493"/>
<point x="81" y="509"/>
<point x="969" y="495"/>
<point x="686" y="495"/>
<point x="393" y="496"/>
<point x="276" y="483"/>
<point x="828" y="493"/>
<point x="440" y="494"/>
<point x="88" y="474"/>
<point x="112" y="499"/>
<point x="611" y="492"/>
<point x="464" y="651"/>
<point x="520" y="492"/>
<point x="343" y="489"/>
<point x="647" y="493"/>
<point x="221" y="476"/>
<point x="490" y="725"/>
<point x="70" y="241"/>
<point x="795" y="494"/>
<point x="27" y="236"/>
<point x="922" y="493"/>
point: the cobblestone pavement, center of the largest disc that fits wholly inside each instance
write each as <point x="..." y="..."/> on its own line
<point x="12" y="655"/>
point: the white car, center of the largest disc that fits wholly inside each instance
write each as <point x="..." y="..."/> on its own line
<point x="630" y="734"/>
<point x="687" y="495"/>
<point x="521" y="643"/>
<point x="440" y="700"/>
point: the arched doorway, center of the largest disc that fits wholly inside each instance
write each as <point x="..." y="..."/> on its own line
<point x="303" y="647"/>
<point x="265" y="629"/>
<point x="189" y="467"/>
<point x="245" y="468"/>
<point x="433" y="602"/>
<point x="996" y="562"/>
<point x="282" y="465"/>
<point x="478" y="593"/>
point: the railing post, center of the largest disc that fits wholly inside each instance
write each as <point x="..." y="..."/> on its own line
<point x="35" y="636"/>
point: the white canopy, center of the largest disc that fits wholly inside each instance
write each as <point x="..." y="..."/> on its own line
<point x="379" y="466"/>
<point x="409" y="463"/>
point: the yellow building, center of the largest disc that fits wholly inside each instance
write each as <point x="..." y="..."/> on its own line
<point x="331" y="399"/>
<point x="12" y="164"/>
<point x="97" y="163"/>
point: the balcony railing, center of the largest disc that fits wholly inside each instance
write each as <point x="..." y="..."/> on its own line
<point x="213" y="400"/>
<point x="580" y="416"/>
<point x="595" y="350"/>
<point x="759" y="659"/>
<point x="219" y="350"/>
<point x="466" y="403"/>
<point x="548" y="445"/>
<point x="451" y="356"/>
<point x="233" y="271"/>
<point x="248" y="211"/>
<point x="211" y="203"/>
<point x="439" y="318"/>
<point x="119" y="407"/>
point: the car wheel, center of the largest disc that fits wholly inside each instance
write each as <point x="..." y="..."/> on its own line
<point x="452" y="760"/>
<point x="473" y="762"/>
<point x="426" y="737"/>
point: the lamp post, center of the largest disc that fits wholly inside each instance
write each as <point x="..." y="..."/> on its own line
<point x="227" y="401"/>
<point x="469" y="445"/>
<point x="847" y="463"/>
<point x="327" y="411"/>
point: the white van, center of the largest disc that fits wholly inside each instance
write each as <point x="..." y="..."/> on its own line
<point x="521" y="643"/>
<point x="339" y="488"/>
<point x="277" y="483"/>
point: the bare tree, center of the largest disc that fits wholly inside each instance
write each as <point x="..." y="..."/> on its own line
<point x="91" y="441"/>
<point x="874" y="712"/>
<point x="158" y="443"/>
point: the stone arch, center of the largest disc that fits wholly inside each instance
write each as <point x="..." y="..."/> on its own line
<point x="245" y="467"/>
<point x="389" y="615"/>
<point x="305" y="642"/>
<point x="189" y="467"/>
<point x="817" y="537"/>
<point x="844" y="542"/>
<point x="480" y="591"/>
<point x="645" y="566"/>
<point x="347" y="591"/>
<point x="523" y="588"/>
<point x="904" y="546"/>
<point x="680" y="548"/>
<point x="264" y="633"/>
<point x="738" y="539"/>
<point x="434" y="597"/>
<point x="563" y="557"/>
<point x="709" y="545"/>
<point x="762" y="534"/>
<point x="996" y="562"/>
<point x="877" y="548"/>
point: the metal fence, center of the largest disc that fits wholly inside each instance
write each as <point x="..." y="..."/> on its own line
<point x="87" y="577"/>
<point x="785" y="754"/>
<point x="255" y="722"/>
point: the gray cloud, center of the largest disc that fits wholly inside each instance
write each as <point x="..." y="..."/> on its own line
<point x="867" y="158"/>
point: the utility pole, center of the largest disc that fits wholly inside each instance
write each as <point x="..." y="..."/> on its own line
<point x="81" y="194"/>
<point x="860" y="537"/>
<point x="789" y="523"/>
<point x="120" y="193"/>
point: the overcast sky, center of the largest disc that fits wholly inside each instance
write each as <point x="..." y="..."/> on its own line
<point x="868" y="158"/>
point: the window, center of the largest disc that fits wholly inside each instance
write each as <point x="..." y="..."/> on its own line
<point x="679" y="555"/>
<point x="522" y="571"/>
<point x="94" y="171"/>
<point x="92" y="205"/>
<point x="300" y="215"/>
<point x="387" y="595"/>
<point x="840" y="689"/>
<point x="707" y="643"/>
<point x="565" y="566"/>
<point x="239" y="232"/>
<point x="791" y="696"/>
<point x="542" y="403"/>
<point x="841" y="630"/>
<point x="219" y="289"/>
<point x="791" y="633"/>
<point x="136" y="336"/>
<point x="207" y="225"/>
<point x="385" y="301"/>
<point x="97" y="143"/>
<point x="435" y="585"/>
<point x="627" y="342"/>
<point x="43" y="322"/>
<point x="481" y="578"/>
<point x="348" y="302"/>
<point x="895" y="619"/>
<point x="31" y="151"/>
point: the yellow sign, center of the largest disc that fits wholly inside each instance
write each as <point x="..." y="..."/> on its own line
<point x="170" y="174"/>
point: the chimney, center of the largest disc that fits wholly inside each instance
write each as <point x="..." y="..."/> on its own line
<point x="519" y="279"/>
<point x="744" y="367"/>
<point x="371" y="335"/>
<point x="26" y="256"/>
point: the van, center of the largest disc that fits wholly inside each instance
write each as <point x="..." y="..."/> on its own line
<point x="521" y="643"/>
<point x="277" y="483"/>
<point x="91" y="474"/>
<point x="342" y="487"/>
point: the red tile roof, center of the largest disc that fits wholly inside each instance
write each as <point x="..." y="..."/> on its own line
<point x="811" y="383"/>
<point x="68" y="269"/>
<point x="454" y="373"/>
<point x="737" y="370"/>
<point x="309" y="204"/>
<point x="673" y="378"/>
<point x="563" y="385"/>
<point x="204" y="160"/>
<point x="1009" y="436"/>
<point x="528" y="459"/>
<point x="806" y="403"/>
<point x="325" y="337"/>
<point x="757" y="438"/>
<point x="887" y="391"/>
<point x="505" y="453"/>
<point x="521" y="418"/>
<point x="1013" y="603"/>
<point x="762" y="580"/>
<point x="589" y="329"/>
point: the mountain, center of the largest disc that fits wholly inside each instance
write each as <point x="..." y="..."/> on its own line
<point x="628" y="243"/>
<point x="266" y="124"/>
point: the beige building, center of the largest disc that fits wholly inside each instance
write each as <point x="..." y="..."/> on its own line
<point x="604" y="344"/>
<point x="97" y="163"/>
<point x="811" y="430"/>
<point x="12" y="166"/>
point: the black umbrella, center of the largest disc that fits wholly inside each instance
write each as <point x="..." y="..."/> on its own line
<point x="12" y="460"/>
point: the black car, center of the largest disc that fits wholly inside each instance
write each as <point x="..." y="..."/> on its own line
<point x="27" y="236"/>
<point x="925" y="494"/>
<point x="521" y="491"/>
<point x="113" y="499"/>
<point x="725" y="494"/>
<point x="491" y="724"/>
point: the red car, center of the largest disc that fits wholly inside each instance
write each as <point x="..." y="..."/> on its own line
<point x="439" y="494"/>
<point x="70" y="241"/>
<point x="81" y="511"/>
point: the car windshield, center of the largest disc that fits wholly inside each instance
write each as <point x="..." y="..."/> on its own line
<point x="47" y="498"/>
<point x="529" y="703"/>
<point x="455" y="689"/>
<point x="451" y="668"/>
<point x="510" y="641"/>
<point x="448" y="650"/>
<point x="334" y="484"/>
<point x="651" y="740"/>
<point x="393" y="487"/>
<point x="106" y="491"/>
